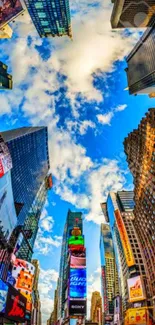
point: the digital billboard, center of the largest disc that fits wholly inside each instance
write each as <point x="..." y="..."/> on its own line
<point x="136" y="289"/>
<point x="124" y="239"/>
<point x="8" y="11"/>
<point x="3" y="296"/>
<point x="137" y="316"/>
<point x="77" y="283"/>
<point x="5" y="157"/>
<point x="77" y="262"/>
<point x="7" y="207"/>
<point x="15" y="305"/>
<point x="76" y="240"/>
<point x="77" y="307"/>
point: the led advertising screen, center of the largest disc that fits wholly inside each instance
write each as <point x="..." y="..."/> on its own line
<point x="5" y="157"/>
<point x="3" y="296"/>
<point x="136" y="289"/>
<point x="15" y="305"/>
<point x="8" y="11"/>
<point x="137" y="316"/>
<point x="7" y="207"/>
<point x="77" y="283"/>
<point x="76" y="240"/>
<point x="124" y="239"/>
<point x="77" y="262"/>
<point x="77" y="307"/>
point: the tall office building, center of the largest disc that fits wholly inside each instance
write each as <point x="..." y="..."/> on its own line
<point x="29" y="151"/>
<point x="51" y="18"/>
<point x="36" y="312"/>
<point x="5" y="78"/>
<point x="129" y="255"/>
<point x="109" y="275"/>
<point x="96" y="308"/>
<point x="141" y="65"/>
<point x="128" y="13"/>
<point x="140" y="150"/>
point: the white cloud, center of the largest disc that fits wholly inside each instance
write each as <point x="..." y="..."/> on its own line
<point x="120" y="108"/>
<point x="105" y="118"/>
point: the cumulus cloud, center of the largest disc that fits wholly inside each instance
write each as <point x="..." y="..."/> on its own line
<point x="107" y="117"/>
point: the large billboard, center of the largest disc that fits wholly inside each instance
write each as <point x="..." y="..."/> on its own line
<point x="77" y="283"/>
<point x="124" y="239"/>
<point x="5" y="157"/>
<point x="77" y="307"/>
<point x="7" y="207"/>
<point x="136" y="289"/>
<point x="3" y="296"/>
<point x="9" y="10"/>
<point x="76" y="240"/>
<point x="15" y="306"/>
<point x="137" y="316"/>
<point x="77" y="262"/>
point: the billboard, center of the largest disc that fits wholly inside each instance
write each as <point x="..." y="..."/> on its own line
<point x="79" y="248"/>
<point x="77" y="262"/>
<point x="15" y="306"/>
<point x="7" y="208"/>
<point x="77" y="283"/>
<point x="49" y="182"/>
<point x="136" y="289"/>
<point x="77" y="307"/>
<point x="124" y="239"/>
<point x="76" y="240"/>
<point x="137" y="316"/>
<point x="8" y="11"/>
<point x="5" y="157"/>
<point x="3" y="296"/>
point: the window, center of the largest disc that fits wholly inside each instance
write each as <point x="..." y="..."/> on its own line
<point x="41" y="14"/>
<point x="38" y="5"/>
<point x="44" y="23"/>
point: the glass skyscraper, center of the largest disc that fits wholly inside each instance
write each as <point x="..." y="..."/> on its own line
<point x="5" y="78"/>
<point x="51" y="18"/>
<point x="29" y="151"/>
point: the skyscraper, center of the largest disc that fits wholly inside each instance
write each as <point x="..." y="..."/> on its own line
<point x="140" y="150"/>
<point x="51" y="18"/>
<point x="5" y="78"/>
<point x="96" y="308"/>
<point x="141" y="65"/>
<point x="29" y="151"/>
<point x="109" y="275"/>
<point x="129" y="256"/>
<point x="36" y="312"/>
<point x="127" y="13"/>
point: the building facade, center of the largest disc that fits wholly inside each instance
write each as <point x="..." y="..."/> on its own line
<point x="36" y="312"/>
<point x="127" y="13"/>
<point x="128" y="250"/>
<point x="141" y="66"/>
<point x="96" y="308"/>
<point x="51" y="18"/>
<point x="29" y="151"/>
<point x="140" y="150"/>
<point x="109" y="275"/>
<point x="5" y="78"/>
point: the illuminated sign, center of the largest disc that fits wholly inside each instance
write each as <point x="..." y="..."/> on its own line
<point x="77" y="307"/>
<point x="8" y="11"/>
<point x="79" y="248"/>
<point x="124" y="239"/>
<point x="5" y="157"/>
<point x="7" y="208"/>
<point x="49" y="182"/>
<point x="137" y="316"/>
<point x="15" y="305"/>
<point x="78" y="283"/>
<point x="76" y="240"/>
<point x="3" y="296"/>
<point x="136" y="289"/>
<point x="77" y="262"/>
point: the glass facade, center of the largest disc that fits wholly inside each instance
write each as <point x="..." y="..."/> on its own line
<point x="5" y="78"/>
<point x="29" y="151"/>
<point x="51" y="18"/>
<point x="141" y="64"/>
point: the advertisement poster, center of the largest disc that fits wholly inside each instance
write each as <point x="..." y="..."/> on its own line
<point x="8" y="11"/>
<point x="137" y="316"/>
<point x="77" y="307"/>
<point x="136" y="289"/>
<point x="15" y="305"/>
<point x="7" y="208"/>
<point x="5" y="157"/>
<point x="3" y="296"/>
<point x="124" y="239"/>
<point x="78" y="283"/>
<point x="76" y="240"/>
<point x="77" y="262"/>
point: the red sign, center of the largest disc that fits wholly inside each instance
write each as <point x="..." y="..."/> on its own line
<point x="15" y="306"/>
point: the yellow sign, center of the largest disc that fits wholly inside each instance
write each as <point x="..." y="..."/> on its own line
<point x="136" y="289"/>
<point x="137" y="316"/>
<point x="124" y="239"/>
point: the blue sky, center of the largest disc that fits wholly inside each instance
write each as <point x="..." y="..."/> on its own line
<point x="76" y="88"/>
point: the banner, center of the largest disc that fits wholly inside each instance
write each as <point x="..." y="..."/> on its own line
<point x="3" y="296"/>
<point x="15" y="306"/>
<point x="77" y="307"/>
<point x="124" y="239"/>
<point x="136" y="289"/>
<point x="77" y="262"/>
<point x="77" y="283"/>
